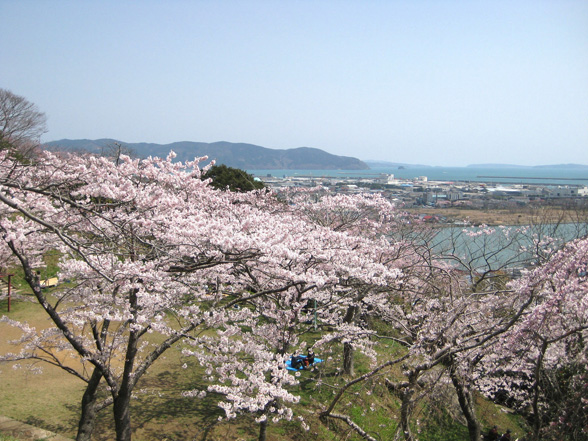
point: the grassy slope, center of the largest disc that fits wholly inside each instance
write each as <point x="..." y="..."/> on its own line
<point x="24" y="394"/>
<point x="50" y="400"/>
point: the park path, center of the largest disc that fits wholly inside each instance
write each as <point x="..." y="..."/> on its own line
<point x="26" y="432"/>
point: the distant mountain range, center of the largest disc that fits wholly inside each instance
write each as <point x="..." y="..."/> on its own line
<point x="374" y="163"/>
<point x="239" y="155"/>
<point x="565" y="166"/>
<point x="254" y="157"/>
<point x="386" y="164"/>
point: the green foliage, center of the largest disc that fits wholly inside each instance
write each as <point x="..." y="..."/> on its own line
<point x="566" y="390"/>
<point x="5" y="145"/>
<point x="13" y="152"/>
<point x="223" y="177"/>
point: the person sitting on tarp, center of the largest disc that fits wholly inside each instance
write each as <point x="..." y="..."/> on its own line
<point x="301" y="362"/>
<point x="298" y="361"/>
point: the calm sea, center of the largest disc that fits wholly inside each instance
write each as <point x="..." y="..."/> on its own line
<point x="504" y="175"/>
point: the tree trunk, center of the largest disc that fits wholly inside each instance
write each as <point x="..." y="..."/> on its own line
<point x="89" y="410"/>
<point x="405" y="411"/>
<point x="262" y="430"/>
<point x="122" y="397"/>
<point x="466" y="402"/>
<point x="122" y="417"/>
<point x="348" y="365"/>
<point x="536" y="391"/>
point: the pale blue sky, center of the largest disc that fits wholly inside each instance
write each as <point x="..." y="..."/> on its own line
<point x="432" y="82"/>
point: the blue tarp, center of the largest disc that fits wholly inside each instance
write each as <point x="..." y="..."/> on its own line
<point x="290" y="368"/>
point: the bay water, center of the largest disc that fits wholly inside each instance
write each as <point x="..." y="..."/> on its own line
<point x="552" y="175"/>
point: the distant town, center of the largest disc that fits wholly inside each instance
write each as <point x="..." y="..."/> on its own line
<point x="422" y="192"/>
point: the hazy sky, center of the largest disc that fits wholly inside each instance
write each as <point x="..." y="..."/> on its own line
<point x="431" y="82"/>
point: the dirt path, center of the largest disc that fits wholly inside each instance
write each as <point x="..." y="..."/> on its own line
<point x="26" y="432"/>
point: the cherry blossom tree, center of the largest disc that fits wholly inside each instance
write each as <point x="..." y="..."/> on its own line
<point x="148" y="247"/>
<point x="447" y="313"/>
<point x="544" y="354"/>
<point x="368" y="217"/>
<point x="141" y="243"/>
<point x="300" y="263"/>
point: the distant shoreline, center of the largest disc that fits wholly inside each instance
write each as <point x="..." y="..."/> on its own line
<point x="531" y="177"/>
<point x="505" y="216"/>
<point x="496" y="176"/>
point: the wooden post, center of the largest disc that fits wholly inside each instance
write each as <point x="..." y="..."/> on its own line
<point x="9" y="287"/>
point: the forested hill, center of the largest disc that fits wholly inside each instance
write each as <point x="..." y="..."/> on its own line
<point x="239" y="155"/>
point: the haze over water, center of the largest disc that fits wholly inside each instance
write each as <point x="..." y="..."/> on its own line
<point x="501" y="175"/>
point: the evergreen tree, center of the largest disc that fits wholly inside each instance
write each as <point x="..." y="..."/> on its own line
<point x="235" y="179"/>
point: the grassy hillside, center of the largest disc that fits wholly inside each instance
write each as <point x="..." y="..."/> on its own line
<point x="50" y="400"/>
